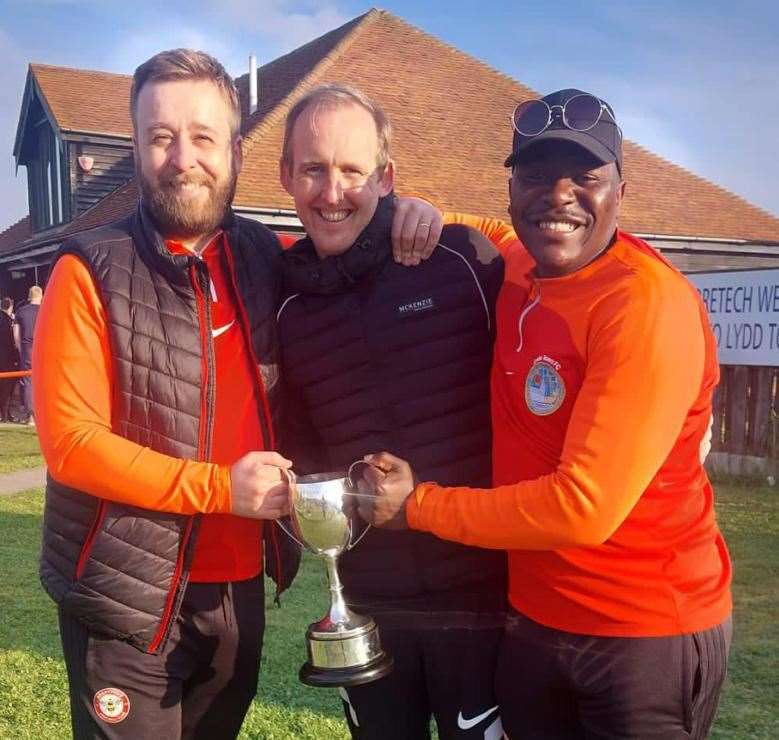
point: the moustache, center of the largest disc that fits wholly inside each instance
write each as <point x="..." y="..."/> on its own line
<point x="181" y="180"/>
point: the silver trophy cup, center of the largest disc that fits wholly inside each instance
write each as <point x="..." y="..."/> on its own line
<point x="343" y="647"/>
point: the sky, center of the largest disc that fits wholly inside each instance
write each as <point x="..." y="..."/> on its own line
<point x="695" y="81"/>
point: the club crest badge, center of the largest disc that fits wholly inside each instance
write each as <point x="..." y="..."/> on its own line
<point x="111" y="705"/>
<point x="544" y="388"/>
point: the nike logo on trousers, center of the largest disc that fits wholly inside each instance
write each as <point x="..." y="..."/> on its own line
<point x="467" y="724"/>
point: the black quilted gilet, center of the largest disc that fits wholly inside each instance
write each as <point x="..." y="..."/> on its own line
<point x="132" y="562"/>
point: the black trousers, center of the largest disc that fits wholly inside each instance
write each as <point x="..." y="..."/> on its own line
<point x="555" y="685"/>
<point x="26" y="384"/>
<point x="199" y="686"/>
<point x="444" y="667"/>
<point x="7" y="386"/>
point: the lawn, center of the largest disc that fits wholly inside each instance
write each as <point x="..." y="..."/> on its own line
<point x="33" y="701"/>
<point x="18" y="448"/>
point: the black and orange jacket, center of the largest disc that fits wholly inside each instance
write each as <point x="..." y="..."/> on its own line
<point x="602" y="387"/>
<point x="127" y="364"/>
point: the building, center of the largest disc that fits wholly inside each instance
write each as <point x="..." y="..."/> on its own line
<point x="450" y="117"/>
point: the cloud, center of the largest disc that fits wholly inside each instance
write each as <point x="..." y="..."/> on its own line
<point x="285" y="24"/>
<point x="138" y="46"/>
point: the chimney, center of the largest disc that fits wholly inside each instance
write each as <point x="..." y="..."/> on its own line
<point x="252" y="84"/>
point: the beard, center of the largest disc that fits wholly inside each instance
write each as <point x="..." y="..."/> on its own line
<point x="180" y="217"/>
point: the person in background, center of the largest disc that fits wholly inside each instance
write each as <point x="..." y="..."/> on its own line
<point x="379" y="355"/>
<point x="602" y="382"/>
<point x="9" y="357"/>
<point x="25" y="320"/>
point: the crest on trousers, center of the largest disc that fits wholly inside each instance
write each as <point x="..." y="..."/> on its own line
<point x="544" y="388"/>
<point x="111" y="705"/>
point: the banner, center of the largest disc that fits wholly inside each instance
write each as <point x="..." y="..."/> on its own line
<point x="743" y="307"/>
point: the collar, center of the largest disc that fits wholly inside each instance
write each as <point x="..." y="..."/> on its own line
<point x="304" y="272"/>
<point x="176" y="247"/>
<point x="153" y="250"/>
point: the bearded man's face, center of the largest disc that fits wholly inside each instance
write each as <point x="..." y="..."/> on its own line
<point x="187" y="156"/>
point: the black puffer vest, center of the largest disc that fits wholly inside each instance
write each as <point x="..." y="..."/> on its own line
<point x="377" y="356"/>
<point x="120" y="569"/>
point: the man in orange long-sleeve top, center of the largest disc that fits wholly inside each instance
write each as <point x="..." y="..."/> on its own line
<point x="155" y="379"/>
<point x="602" y="381"/>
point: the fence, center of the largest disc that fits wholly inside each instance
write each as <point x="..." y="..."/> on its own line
<point x="746" y="423"/>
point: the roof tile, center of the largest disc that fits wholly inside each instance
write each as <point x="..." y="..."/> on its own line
<point x="85" y="100"/>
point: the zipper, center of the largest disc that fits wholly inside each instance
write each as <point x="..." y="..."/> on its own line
<point x="525" y="311"/>
<point x="90" y="538"/>
<point x="201" y="283"/>
<point x="165" y="621"/>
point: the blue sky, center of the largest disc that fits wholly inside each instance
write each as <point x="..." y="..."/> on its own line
<point x="696" y="81"/>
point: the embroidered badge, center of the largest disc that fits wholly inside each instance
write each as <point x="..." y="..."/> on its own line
<point x="111" y="705"/>
<point x="544" y="388"/>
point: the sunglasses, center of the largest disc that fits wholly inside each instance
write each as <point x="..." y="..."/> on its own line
<point x="579" y="113"/>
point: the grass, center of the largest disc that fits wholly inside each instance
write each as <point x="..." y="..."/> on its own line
<point x="18" y="448"/>
<point x="33" y="694"/>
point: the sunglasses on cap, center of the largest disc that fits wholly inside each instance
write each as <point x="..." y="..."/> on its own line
<point x="579" y="113"/>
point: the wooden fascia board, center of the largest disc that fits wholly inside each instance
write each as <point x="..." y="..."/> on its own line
<point x="32" y="89"/>
<point x="23" y="111"/>
<point x="95" y="137"/>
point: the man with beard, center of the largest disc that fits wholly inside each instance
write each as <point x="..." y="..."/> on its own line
<point x="156" y="384"/>
<point x="602" y="382"/>
<point x="155" y="387"/>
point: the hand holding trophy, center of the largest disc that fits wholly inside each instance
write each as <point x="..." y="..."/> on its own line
<point x="343" y="647"/>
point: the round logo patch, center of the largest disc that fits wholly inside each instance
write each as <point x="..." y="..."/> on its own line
<point x="111" y="705"/>
<point x="544" y="389"/>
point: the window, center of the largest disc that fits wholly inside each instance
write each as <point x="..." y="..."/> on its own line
<point x="48" y="200"/>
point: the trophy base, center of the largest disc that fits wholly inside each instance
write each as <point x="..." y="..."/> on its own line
<point x="333" y="677"/>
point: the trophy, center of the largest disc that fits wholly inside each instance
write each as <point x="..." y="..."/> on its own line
<point x="343" y="647"/>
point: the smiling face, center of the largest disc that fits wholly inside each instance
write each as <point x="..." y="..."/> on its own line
<point x="333" y="175"/>
<point x="187" y="157"/>
<point x="564" y="206"/>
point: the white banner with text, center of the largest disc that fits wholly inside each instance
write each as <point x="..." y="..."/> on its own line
<point x="743" y="307"/>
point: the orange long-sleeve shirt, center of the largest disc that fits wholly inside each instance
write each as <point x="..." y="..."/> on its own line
<point x="602" y="383"/>
<point x="73" y="409"/>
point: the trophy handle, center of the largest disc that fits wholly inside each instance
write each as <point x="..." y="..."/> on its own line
<point x="352" y="484"/>
<point x="291" y="478"/>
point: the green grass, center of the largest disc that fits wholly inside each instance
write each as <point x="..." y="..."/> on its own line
<point x="33" y="694"/>
<point x="749" y="517"/>
<point x="18" y="448"/>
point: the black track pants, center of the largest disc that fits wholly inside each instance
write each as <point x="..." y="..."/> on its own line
<point x="444" y="671"/>
<point x="199" y="686"/>
<point x="555" y="685"/>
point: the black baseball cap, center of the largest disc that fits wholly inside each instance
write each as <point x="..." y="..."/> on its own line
<point x="603" y="140"/>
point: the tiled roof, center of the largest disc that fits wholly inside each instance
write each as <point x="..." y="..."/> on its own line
<point x="277" y="79"/>
<point x="450" y="117"/>
<point x="86" y="101"/>
<point x="449" y="113"/>
<point x="15" y="234"/>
